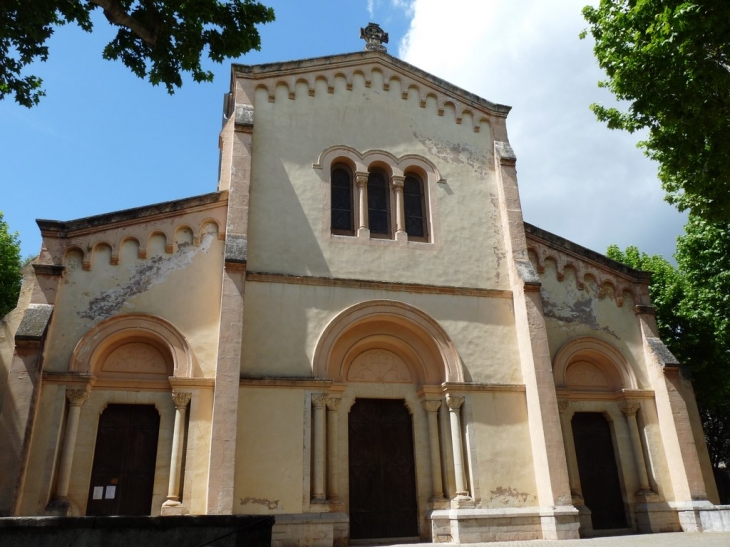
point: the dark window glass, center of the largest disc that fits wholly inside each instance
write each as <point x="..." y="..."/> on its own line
<point x="378" y="216"/>
<point x="413" y="205"/>
<point x="341" y="200"/>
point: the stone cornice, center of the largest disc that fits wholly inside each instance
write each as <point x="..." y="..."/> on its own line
<point x="587" y="263"/>
<point x="116" y="219"/>
<point x="394" y="73"/>
<point x="262" y="277"/>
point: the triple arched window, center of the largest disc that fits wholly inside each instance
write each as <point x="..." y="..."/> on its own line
<point x="385" y="206"/>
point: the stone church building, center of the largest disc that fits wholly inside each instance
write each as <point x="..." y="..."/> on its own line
<point x="356" y="332"/>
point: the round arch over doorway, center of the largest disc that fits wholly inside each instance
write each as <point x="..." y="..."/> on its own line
<point x="409" y="334"/>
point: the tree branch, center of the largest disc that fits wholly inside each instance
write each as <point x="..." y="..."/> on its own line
<point x="115" y="14"/>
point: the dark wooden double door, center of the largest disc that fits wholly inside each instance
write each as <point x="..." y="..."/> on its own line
<point x="123" y="474"/>
<point x="597" y="470"/>
<point x="382" y="470"/>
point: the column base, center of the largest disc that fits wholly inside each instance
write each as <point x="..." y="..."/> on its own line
<point x="401" y="236"/>
<point x="363" y="232"/>
<point x="173" y="508"/>
<point x="462" y="501"/>
<point x="58" y="507"/>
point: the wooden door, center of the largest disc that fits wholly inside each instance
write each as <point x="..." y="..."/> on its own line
<point x="597" y="470"/>
<point x="123" y="474"/>
<point x="382" y="470"/>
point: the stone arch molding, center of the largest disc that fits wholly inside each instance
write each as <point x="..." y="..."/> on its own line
<point x="592" y="364"/>
<point x="137" y="328"/>
<point x="402" y="343"/>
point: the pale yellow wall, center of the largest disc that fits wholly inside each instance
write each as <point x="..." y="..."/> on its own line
<point x="482" y="329"/>
<point x="571" y="312"/>
<point x="270" y="451"/>
<point x="182" y="287"/>
<point x="288" y="197"/>
<point x="503" y="455"/>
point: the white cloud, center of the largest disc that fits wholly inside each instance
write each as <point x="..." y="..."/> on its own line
<point x="577" y="178"/>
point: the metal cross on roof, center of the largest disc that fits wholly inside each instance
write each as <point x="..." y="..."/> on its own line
<point x="375" y="37"/>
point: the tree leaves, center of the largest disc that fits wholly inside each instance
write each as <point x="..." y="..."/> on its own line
<point x="10" y="278"/>
<point x="669" y="60"/>
<point x="158" y="40"/>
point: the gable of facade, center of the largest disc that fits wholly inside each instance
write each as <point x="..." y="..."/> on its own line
<point x="357" y="333"/>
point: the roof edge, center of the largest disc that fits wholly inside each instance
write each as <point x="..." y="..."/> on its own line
<point x="130" y="214"/>
<point x="567" y="245"/>
<point x="302" y="65"/>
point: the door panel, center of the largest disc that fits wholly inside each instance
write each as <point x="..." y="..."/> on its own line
<point x="123" y="475"/>
<point x="382" y="471"/>
<point x="597" y="469"/>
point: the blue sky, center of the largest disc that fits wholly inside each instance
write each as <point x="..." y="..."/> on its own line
<point x="104" y="140"/>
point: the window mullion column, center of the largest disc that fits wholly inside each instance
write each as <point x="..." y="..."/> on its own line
<point x="400" y="229"/>
<point x="361" y="180"/>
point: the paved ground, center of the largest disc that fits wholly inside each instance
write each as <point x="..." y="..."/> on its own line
<point x="709" y="539"/>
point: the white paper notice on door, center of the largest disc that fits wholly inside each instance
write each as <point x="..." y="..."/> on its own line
<point x="98" y="493"/>
<point x="111" y="491"/>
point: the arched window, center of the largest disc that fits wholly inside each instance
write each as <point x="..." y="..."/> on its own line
<point x="378" y="204"/>
<point x="414" y="206"/>
<point x="342" y="219"/>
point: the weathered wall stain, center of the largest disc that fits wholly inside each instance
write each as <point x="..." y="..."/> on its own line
<point x="508" y="495"/>
<point x="456" y="152"/>
<point x="271" y="505"/>
<point x="578" y="311"/>
<point x="145" y="274"/>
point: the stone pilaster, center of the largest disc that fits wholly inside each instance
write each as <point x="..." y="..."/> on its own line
<point x="319" y="402"/>
<point x="361" y="181"/>
<point x="432" y="407"/>
<point x="462" y="498"/>
<point x="630" y="408"/>
<point x="400" y="225"/>
<point x="172" y="505"/>
<point x="333" y="491"/>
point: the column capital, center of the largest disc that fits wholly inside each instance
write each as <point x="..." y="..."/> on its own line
<point x="454" y="402"/>
<point x="629" y="407"/>
<point x="563" y="405"/>
<point x="431" y="405"/>
<point x="181" y="398"/>
<point x="319" y="400"/>
<point x="333" y="403"/>
<point x="398" y="181"/>
<point x="77" y="397"/>
<point x="361" y="178"/>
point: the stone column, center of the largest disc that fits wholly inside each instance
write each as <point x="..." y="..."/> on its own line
<point x="319" y="401"/>
<point x="400" y="227"/>
<point x="454" y="403"/>
<point x="432" y="408"/>
<point x="361" y="180"/>
<point x="181" y="401"/>
<point x="333" y="493"/>
<point x="76" y="398"/>
<point x="569" y="443"/>
<point x="630" y="408"/>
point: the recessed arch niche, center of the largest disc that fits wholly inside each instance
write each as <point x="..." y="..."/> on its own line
<point x="590" y="364"/>
<point x="386" y="341"/>
<point x="143" y="346"/>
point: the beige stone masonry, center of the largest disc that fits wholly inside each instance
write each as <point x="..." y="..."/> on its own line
<point x="551" y="472"/>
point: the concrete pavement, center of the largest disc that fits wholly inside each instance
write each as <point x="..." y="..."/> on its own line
<point x="708" y="539"/>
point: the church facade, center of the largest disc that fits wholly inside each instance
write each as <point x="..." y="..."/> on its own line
<point x="356" y="333"/>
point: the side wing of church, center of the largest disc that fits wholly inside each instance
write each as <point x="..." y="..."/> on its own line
<point x="356" y="333"/>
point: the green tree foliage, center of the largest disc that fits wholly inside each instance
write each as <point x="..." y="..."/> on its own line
<point x="156" y="39"/>
<point x="670" y="59"/>
<point x="10" y="277"/>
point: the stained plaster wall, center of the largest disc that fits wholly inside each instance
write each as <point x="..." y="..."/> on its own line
<point x="482" y="329"/>
<point x="270" y="453"/>
<point x="289" y="209"/>
<point x="502" y="454"/>
<point x="182" y="287"/>
<point x="571" y="312"/>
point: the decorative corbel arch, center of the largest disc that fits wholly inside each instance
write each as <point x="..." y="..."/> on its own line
<point x="134" y="327"/>
<point x="413" y="333"/>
